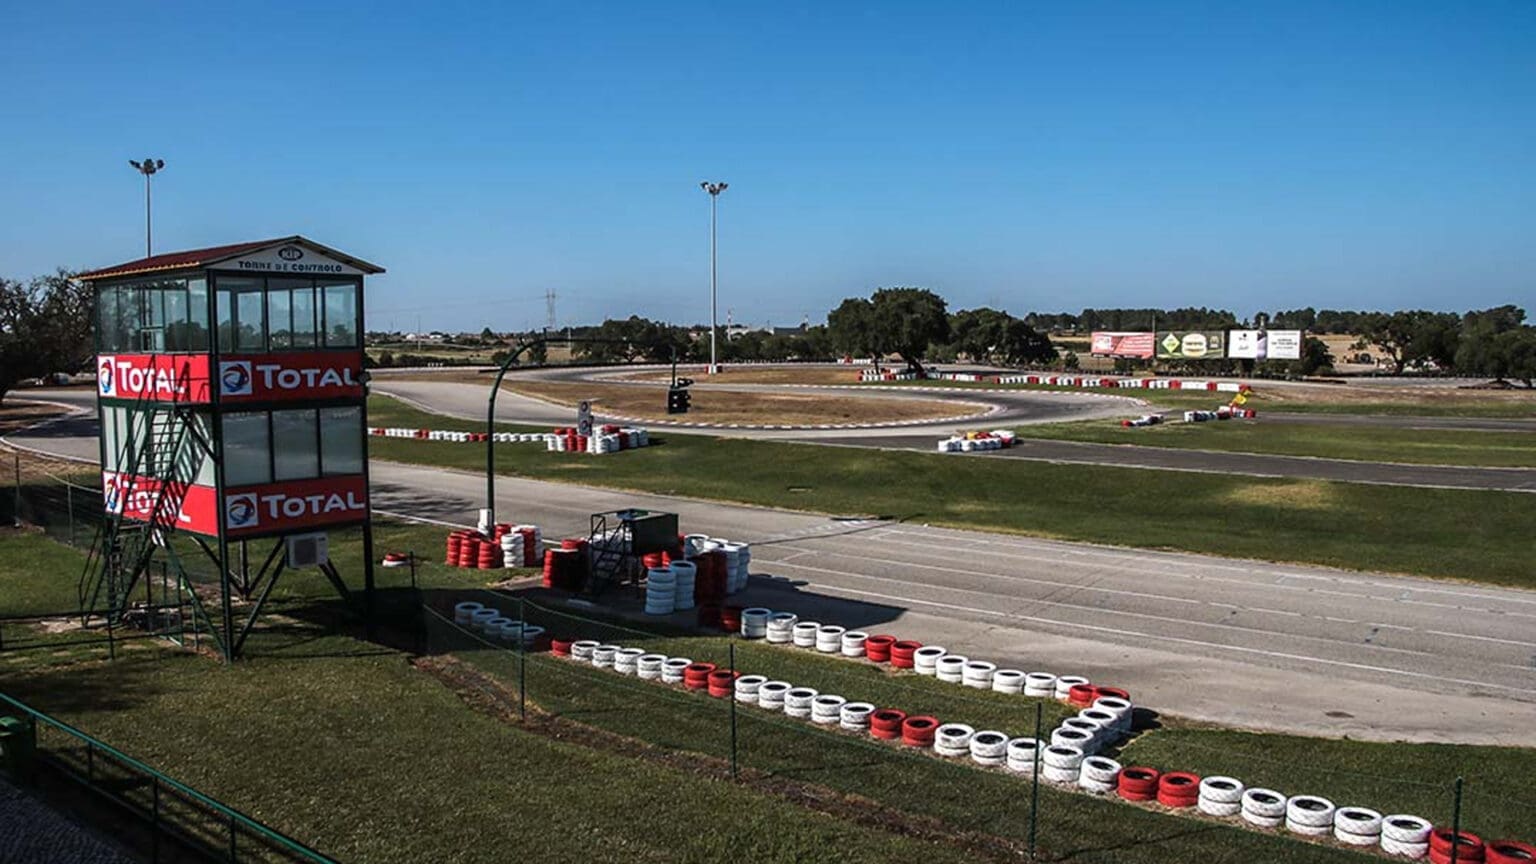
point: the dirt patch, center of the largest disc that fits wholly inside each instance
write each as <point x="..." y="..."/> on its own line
<point x="488" y="695"/>
<point x="1296" y="495"/>
<point x="724" y="406"/>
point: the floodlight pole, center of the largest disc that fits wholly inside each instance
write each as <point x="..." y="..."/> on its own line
<point x="714" y="190"/>
<point x="148" y="168"/>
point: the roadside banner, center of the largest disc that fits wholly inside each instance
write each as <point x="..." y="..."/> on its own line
<point x="1191" y="345"/>
<point x="1285" y="344"/>
<point x="1246" y="344"/>
<point x="1122" y="344"/>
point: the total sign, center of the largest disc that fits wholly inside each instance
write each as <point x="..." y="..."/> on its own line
<point x="167" y="377"/>
<point x="136" y="498"/>
<point x="277" y="508"/>
<point x="276" y="377"/>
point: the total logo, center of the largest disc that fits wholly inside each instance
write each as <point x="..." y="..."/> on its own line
<point x="235" y="377"/>
<point x="248" y="509"/>
<point x="106" y="379"/>
<point x="240" y="511"/>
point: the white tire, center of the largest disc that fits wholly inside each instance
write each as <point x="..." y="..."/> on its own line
<point x="1258" y="821"/>
<point x="1065" y="737"/>
<point x="1346" y="837"/>
<point x="1357" y="820"/>
<point x="1095" y="786"/>
<point x="747" y="687"/>
<point x="1402" y="848"/>
<point x="853" y="643"/>
<point x="1064" y="776"/>
<point x="800" y="699"/>
<point x="829" y="638"/>
<point x="1266" y="803"/>
<point x="953" y="739"/>
<point x="925" y="660"/>
<point x="1402" y="828"/>
<point x="978" y="674"/>
<point x="1308" y="830"/>
<point x="855" y="715"/>
<point x="672" y="669"/>
<point x="989" y="744"/>
<point x="1008" y="681"/>
<point x="1065" y="683"/>
<point x="1219" y="808"/>
<point x="1061" y="756"/>
<point x="951" y="668"/>
<point x="1310" y="811"/>
<point x="602" y="656"/>
<point x="582" y="650"/>
<point x="1039" y="684"/>
<point x="1098" y="769"/>
<point x="1023" y="754"/>
<point x="827" y="710"/>
<point x="804" y="634"/>
<point x="770" y="694"/>
<point x="1221" y="790"/>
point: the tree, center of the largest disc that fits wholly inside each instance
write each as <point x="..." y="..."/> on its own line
<point x="906" y="321"/>
<point x="1411" y="337"/>
<point x="850" y="328"/>
<point x="45" y="327"/>
<point x="487" y="336"/>
<point x="1479" y="349"/>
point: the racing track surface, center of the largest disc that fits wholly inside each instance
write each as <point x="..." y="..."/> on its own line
<point x="1250" y="644"/>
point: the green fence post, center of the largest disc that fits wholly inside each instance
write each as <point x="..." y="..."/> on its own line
<point x="16" y="495"/>
<point x="1034" y="785"/>
<point x="732" y="697"/>
<point x="1456" y="823"/>
<point x="233" y="850"/>
<point x="522" y="662"/>
<point x="69" y="505"/>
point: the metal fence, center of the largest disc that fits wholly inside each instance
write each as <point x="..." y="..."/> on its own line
<point x="148" y="811"/>
<point x="35" y="491"/>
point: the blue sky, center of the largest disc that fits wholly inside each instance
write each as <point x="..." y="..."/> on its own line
<point x="1016" y="154"/>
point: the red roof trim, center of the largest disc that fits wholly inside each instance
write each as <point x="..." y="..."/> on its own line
<point x="194" y="258"/>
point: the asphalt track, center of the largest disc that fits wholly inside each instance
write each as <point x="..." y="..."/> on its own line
<point x="1009" y="408"/>
<point x="1243" y="643"/>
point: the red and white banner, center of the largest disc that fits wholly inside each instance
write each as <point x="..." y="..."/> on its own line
<point x="1117" y="344"/>
<point x="290" y="376"/>
<point x="163" y="377"/>
<point x="276" y="508"/>
<point x="135" y="498"/>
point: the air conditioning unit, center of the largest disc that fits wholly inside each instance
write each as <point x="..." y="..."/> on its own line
<point x="308" y="550"/>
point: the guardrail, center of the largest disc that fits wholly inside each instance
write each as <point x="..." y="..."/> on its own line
<point x="161" y="813"/>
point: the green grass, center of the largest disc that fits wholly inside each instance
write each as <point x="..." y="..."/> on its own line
<point x="1367" y="443"/>
<point x="1385" y="528"/>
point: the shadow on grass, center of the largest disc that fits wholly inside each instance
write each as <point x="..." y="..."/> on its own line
<point x="1140" y="843"/>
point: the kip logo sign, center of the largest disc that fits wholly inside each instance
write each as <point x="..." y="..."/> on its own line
<point x="306" y="375"/>
<point x="240" y="511"/>
<point x="235" y="378"/>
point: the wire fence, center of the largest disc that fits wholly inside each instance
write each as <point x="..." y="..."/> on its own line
<point x="146" y="810"/>
<point x="729" y="737"/>
<point x="48" y="494"/>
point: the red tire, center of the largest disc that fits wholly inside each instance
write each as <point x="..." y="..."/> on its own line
<point x="1178" y="789"/>
<point x="878" y="648"/>
<point x="1510" y="852"/>
<point x="901" y="653"/>
<point x="696" y="675"/>
<point x="1137" y="783"/>
<point x="560" y="647"/>
<point x="1472" y="846"/>
<point x="885" y="723"/>
<point x="1115" y="692"/>
<point x="1082" y="695"/>
<point x="919" y="731"/>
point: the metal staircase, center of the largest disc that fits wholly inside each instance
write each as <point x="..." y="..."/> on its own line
<point x="612" y="554"/>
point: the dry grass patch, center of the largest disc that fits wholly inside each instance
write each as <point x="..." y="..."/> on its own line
<point x="1296" y="495"/>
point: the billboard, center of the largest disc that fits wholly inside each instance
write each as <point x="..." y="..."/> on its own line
<point x="1191" y="345"/>
<point x="1285" y="344"/>
<point x="294" y="375"/>
<point x="1246" y="345"/>
<point x="160" y="377"/>
<point x="295" y="505"/>
<point x="1122" y="344"/>
<point x="135" y="498"/>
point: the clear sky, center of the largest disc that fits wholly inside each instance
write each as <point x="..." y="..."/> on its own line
<point x="1025" y="155"/>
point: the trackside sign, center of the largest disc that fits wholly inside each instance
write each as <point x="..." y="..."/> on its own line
<point x="164" y="377"/>
<point x="277" y="377"/>
<point x="277" y="508"/>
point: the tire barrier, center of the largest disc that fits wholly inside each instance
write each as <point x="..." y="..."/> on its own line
<point x="1064" y="685"/>
<point x="829" y="638"/>
<point x="602" y="656"/>
<point x="1263" y="808"/>
<point x="462" y="611"/>
<point x="672" y="669"/>
<point x="754" y="622"/>
<point x="1405" y="835"/>
<point x="395" y="559"/>
<point x="562" y="648"/>
<point x="953" y="740"/>
<point x="565" y="569"/>
<point x="660" y="591"/>
<point x="925" y="660"/>
<point x="1061" y="763"/>
<point x="989" y="747"/>
<point x="951" y="668"/>
<point x="855" y="716"/>
<point x="969" y="442"/>
<point x="608" y="438"/>
<point x="685" y="575"/>
<point x="748" y="686"/>
<point x="1099" y="775"/>
<point x="780" y="629"/>
<point x="1074" y="738"/>
<point x="1081" y="381"/>
<point x="1008" y="681"/>
<point x="1179" y="789"/>
<point x="1023" y="755"/>
<point x="1082" y="695"/>
<point x="798" y="701"/>
<point x="626" y="661"/>
<point x="1040" y="685"/>
<point x="1509" y="852"/>
<point x="919" y="731"/>
<point x="696" y="675"/>
<point x="1138" y="783"/>
<point x="771" y="695"/>
<point x="853" y="643"/>
<point x="648" y="666"/>
<point x="1469" y="847"/>
<point x="721" y="683"/>
<point x="827" y="709"/>
<point x="904" y="653"/>
<point x="1357" y="826"/>
<point x="877" y="648"/>
<point x="1122" y="710"/>
<point x="886" y="724"/>
<point x="1309" y="815"/>
<point x="1220" y="796"/>
<point x="978" y="674"/>
<point x="805" y="634"/>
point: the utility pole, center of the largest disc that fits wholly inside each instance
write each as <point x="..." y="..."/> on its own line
<point x="148" y="167"/>
<point x="714" y="190"/>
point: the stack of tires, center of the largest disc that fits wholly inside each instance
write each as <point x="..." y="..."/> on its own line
<point x="780" y="629"/>
<point x="1220" y="796"/>
<point x="754" y="622"/>
<point x="1309" y="815"/>
<point x="1061" y="764"/>
<point x="1178" y="789"/>
<point x="827" y="709"/>
<point x="660" y="591"/>
<point x="953" y="740"/>
<point x="1263" y="808"/>
<point x="989" y="748"/>
<point x="1099" y="775"/>
<point x="1406" y="836"/>
<point x="1357" y="826"/>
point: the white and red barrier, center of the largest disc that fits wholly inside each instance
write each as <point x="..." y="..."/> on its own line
<point x="1096" y="381"/>
<point x="605" y="439"/>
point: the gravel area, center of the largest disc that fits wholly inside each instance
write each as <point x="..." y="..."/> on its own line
<point x="33" y="833"/>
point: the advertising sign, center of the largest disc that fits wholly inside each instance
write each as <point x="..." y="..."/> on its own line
<point x="1191" y="345"/>
<point x="135" y="497"/>
<point x="1246" y="344"/>
<point x="277" y="508"/>
<point x="1285" y="344"/>
<point x="289" y="259"/>
<point x="163" y="377"/>
<point x="1121" y="344"/>
<point x="296" y="375"/>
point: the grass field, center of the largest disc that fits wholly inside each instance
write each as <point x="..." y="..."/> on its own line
<point x="352" y="748"/>
<point x="1369" y="443"/>
<point x="1386" y="528"/>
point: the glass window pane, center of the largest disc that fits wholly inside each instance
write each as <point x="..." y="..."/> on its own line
<point x="176" y="320"/>
<point x="131" y="316"/>
<point x="226" y="320"/>
<point x="341" y="315"/>
<point x="341" y="440"/>
<point x="196" y="453"/>
<point x="294" y="445"/>
<point x="304" y="316"/>
<point x="250" y="329"/>
<point x="111" y="439"/>
<point x="247" y="449"/>
<point x="106" y="320"/>
<point x="279" y="330"/>
<point x="197" y="315"/>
